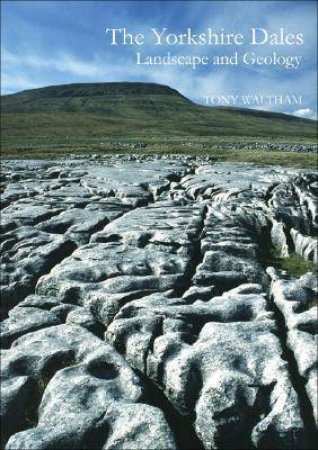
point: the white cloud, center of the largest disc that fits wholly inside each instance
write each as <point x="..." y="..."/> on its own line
<point x="306" y="113"/>
<point x="11" y="83"/>
<point x="61" y="63"/>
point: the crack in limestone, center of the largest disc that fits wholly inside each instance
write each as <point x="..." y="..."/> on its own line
<point x="298" y="382"/>
<point x="181" y="426"/>
<point x="196" y="259"/>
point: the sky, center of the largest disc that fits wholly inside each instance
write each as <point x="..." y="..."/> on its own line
<point x="60" y="42"/>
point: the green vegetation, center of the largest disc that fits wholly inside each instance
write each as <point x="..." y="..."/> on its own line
<point x="103" y="117"/>
<point x="294" y="264"/>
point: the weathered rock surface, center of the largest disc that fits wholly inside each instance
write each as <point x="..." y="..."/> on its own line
<point x="136" y="275"/>
<point x="79" y="224"/>
<point x="223" y="349"/>
<point x="297" y="301"/>
<point x="26" y="255"/>
<point x="95" y="393"/>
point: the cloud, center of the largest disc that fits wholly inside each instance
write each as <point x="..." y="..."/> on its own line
<point x="11" y="83"/>
<point x="306" y="113"/>
<point x="63" y="62"/>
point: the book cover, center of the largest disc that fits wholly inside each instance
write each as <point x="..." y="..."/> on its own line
<point x="159" y="219"/>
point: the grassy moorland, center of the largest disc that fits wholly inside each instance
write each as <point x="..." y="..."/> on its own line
<point x="117" y="117"/>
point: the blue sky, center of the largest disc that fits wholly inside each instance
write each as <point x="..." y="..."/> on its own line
<point x="56" y="42"/>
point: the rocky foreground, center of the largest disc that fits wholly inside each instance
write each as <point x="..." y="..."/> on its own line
<point x="138" y="311"/>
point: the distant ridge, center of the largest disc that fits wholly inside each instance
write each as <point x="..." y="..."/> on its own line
<point x="98" y="89"/>
<point x="96" y="110"/>
<point x="106" y="87"/>
<point x="90" y="97"/>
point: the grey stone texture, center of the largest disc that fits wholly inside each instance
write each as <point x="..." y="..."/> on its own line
<point x="139" y="309"/>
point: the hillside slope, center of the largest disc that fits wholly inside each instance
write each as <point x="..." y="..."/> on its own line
<point x="59" y="114"/>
